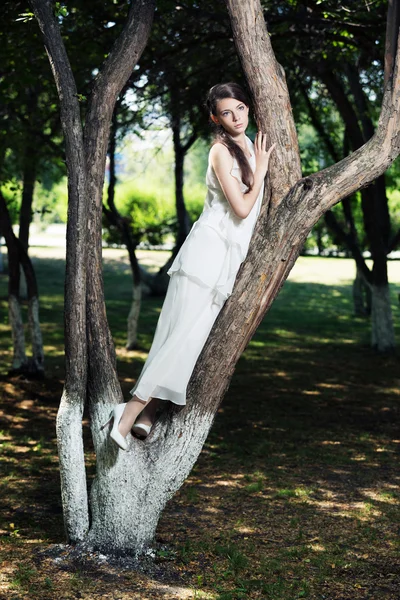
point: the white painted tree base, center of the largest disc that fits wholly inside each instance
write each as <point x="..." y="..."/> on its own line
<point x="382" y="333"/>
<point x="17" y="331"/>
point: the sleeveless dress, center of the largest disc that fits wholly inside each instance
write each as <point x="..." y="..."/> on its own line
<point x="202" y="277"/>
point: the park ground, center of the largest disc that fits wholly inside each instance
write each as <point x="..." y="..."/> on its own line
<point x="296" y="493"/>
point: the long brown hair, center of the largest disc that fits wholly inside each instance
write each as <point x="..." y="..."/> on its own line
<point x="219" y="92"/>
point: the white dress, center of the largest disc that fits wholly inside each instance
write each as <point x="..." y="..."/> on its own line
<point x="202" y="277"/>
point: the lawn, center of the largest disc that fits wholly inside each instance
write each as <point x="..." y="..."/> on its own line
<point x="296" y="493"/>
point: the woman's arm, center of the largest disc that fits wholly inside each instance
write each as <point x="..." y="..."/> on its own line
<point x="221" y="160"/>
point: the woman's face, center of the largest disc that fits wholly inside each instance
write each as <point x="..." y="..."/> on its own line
<point x="233" y="115"/>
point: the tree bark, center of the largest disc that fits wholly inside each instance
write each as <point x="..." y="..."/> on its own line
<point x="69" y="417"/>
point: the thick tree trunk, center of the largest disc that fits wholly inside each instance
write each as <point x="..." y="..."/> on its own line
<point x="178" y="436"/>
<point x="125" y="517"/>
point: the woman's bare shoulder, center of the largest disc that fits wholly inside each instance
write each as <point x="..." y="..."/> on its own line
<point x="219" y="151"/>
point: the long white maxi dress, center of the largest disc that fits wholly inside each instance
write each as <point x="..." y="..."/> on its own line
<point x="201" y="279"/>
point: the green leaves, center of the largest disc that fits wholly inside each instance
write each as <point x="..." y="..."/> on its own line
<point x="25" y="17"/>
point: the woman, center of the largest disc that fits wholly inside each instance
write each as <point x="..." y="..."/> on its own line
<point x="204" y="270"/>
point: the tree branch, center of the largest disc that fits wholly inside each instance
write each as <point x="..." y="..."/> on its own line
<point x="267" y="84"/>
<point x="62" y="71"/>
<point x="126" y="51"/>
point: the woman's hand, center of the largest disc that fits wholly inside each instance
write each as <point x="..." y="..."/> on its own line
<point x="261" y="152"/>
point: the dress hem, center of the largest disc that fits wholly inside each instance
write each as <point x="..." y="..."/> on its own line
<point x="162" y="393"/>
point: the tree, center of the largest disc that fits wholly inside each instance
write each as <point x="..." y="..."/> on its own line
<point x="127" y="236"/>
<point x="90" y="357"/>
<point x="132" y="488"/>
<point x="340" y="49"/>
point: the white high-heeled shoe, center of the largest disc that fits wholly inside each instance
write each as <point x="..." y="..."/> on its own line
<point x="141" y="429"/>
<point x="116" y="414"/>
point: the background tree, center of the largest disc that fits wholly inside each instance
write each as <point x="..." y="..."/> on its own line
<point x="344" y="51"/>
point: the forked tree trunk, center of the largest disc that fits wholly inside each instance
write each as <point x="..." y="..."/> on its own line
<point x="131" y="488"/>
<point x="90" y="359"/>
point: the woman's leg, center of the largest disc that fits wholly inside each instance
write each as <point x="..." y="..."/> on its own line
<point x="132" y="410"/>
<point x="148" y="414"/>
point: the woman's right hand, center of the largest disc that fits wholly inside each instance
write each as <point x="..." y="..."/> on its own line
<point x="261" y="152"/>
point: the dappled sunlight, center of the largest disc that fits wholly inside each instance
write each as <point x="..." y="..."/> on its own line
<point x="330" y="443"/>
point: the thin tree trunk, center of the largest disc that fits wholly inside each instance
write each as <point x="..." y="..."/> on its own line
<point x="19" y="360"/>
<point x="382" y="335"/>
<point x="133" y="317"/>
<point x="361" y="295"/>
<point x="29" y="178"/>
<point x="36" y="363"/>
<point x="161" y="279"/>
<point x="18" y="257"/>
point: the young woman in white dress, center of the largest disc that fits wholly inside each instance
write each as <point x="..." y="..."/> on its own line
<point x="204" y="270"/>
